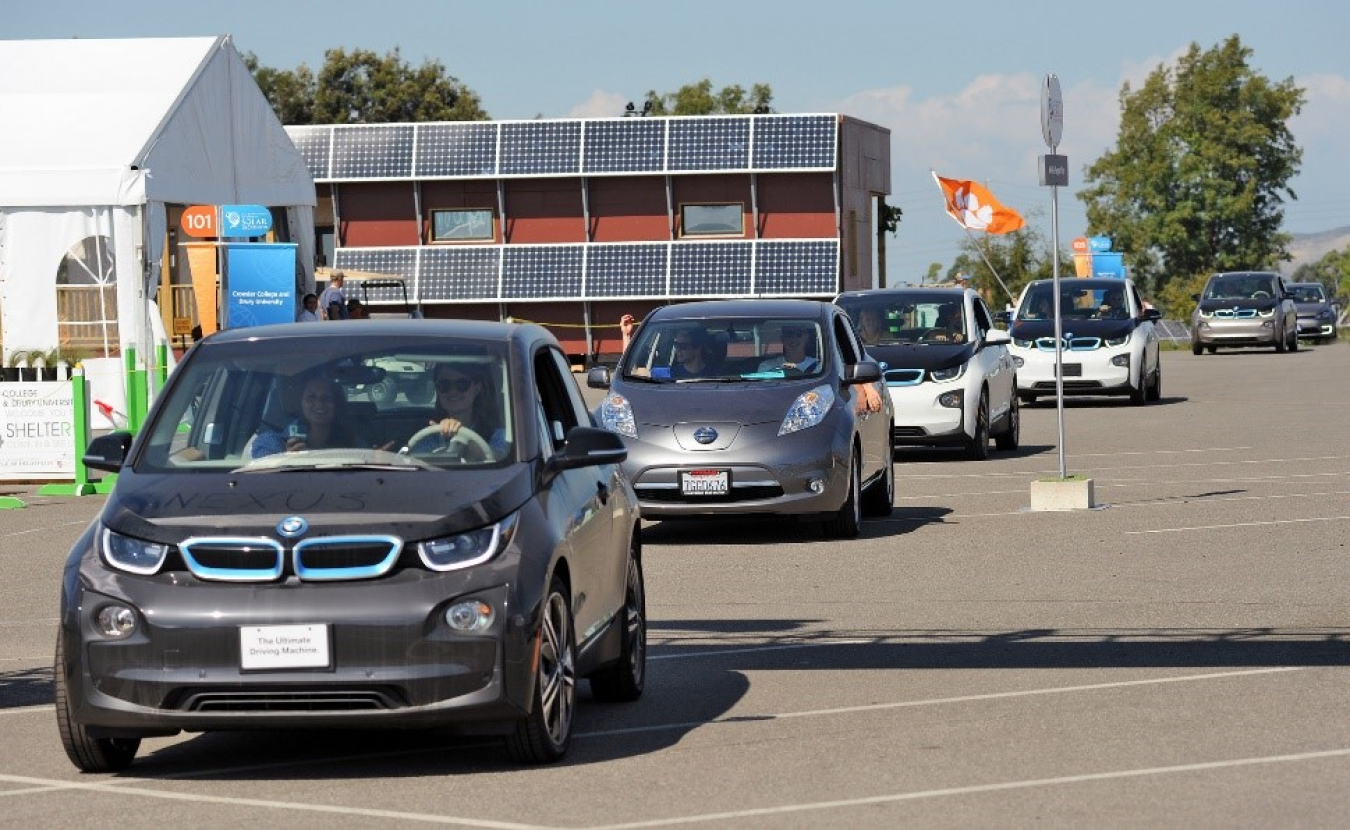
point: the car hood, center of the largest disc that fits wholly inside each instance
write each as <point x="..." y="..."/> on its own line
<point x="1240" y="303"/>
<point x="410" y="505"/>
<point x="742" y="402"/>
<point x="928" y="356"/>
<point x="1311" y="309"/>
<point x="1105" y="329"/>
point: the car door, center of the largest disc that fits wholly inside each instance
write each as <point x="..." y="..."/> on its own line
<point x="1147" y="330"/>
<point x="994" y="362"/>
<point x="875" y="427"/>
<point x="581" y="501"/>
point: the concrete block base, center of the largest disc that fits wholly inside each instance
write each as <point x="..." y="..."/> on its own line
<point x="1072" y="493"/>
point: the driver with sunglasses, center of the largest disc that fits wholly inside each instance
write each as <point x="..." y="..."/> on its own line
<point x="464" y="407"/>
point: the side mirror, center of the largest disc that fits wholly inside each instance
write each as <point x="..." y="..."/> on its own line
<point x="996" y="337"/>
<point x="864" y="371"/>
<point x="108" y="452"/>
<point x="1152" y="314"/>
<point x="588" y="447"/>
<point x="1004" y="317"/>
<point x="598" y="377"/>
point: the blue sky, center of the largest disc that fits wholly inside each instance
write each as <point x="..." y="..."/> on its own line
<point x="958" y="84"/>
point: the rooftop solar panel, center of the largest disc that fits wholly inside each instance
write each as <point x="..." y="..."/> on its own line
<point x="625" y="145"/>
<point x="456" y="149"/>
<point x="540" y="147"/>
<point x="373" y="151"/>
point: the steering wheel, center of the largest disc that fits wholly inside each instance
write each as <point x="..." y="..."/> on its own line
<point x="463" y="438"/>
<point x="935" y="336"/>
<point x="1260" y="295"/>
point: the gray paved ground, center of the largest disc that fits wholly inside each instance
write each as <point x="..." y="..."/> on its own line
<point x="1178" y="658"/>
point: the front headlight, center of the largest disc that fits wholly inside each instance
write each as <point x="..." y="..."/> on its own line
<point x="464" y="550"/>
<point x="947" y="375"/>
<point x="808" y="410"/>
<point x="127" y="553"/>
<point x="1270" y="312"/>
<point x="616" y="415"/>
<point x="1326" y="314"/>
<point x="1203" y="313"/>
<point x="1118" y="341"/>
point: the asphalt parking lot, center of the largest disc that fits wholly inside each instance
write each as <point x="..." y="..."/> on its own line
<point x="1177" y="657"/>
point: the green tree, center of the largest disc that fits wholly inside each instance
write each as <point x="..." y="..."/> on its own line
<point x="701" y="99"/>
<point x="1332" y="270"/>
<point x="1018" y="258"/>
<point x="1202" y="161"/>
<point x="361" y="87"/>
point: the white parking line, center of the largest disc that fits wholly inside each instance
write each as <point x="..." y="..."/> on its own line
<point x="938" y="701"/>
<point x="1238" y="524"/>
<point x="982" y="788"/>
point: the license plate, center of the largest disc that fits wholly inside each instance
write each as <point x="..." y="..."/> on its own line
<point x="704" y="483"/>
<point x="1073" y="370"/>
<point x="283" y="647"/>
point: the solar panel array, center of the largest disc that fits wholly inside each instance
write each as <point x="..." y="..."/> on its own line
<point x="568" y="147"/>
<point x="474" y="273"/>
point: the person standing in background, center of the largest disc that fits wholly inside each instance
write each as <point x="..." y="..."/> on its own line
<point x="309" y="309"/>
<point x="332" y="302"/>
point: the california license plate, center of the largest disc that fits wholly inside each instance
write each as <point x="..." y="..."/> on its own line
<point x="705" y="482"/>
<point x="283" y="647"/>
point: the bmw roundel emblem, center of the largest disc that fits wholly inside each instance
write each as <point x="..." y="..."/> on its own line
<point x="705" y="435"/>
<point x="292" y="526"/>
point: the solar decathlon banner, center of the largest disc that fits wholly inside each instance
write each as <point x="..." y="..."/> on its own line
<point x="259" y="283"/>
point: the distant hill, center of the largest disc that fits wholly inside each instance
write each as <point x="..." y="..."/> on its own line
<point x="1307" y="248"/>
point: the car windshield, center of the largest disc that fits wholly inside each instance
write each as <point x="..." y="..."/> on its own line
<point x="1240" y="287"/>
<point x="1309" y="294"/>
<point x="329" y="402"/>
<point x="1076" y="302"/>
<point x="725" y="349"/>
<point x="918" y="318"/>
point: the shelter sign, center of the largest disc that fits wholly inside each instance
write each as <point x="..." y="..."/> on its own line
<point x="259" y="283"/>
<point x="37" y="430"/>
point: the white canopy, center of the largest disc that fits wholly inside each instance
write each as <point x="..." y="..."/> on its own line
<point x="98" y="136"/>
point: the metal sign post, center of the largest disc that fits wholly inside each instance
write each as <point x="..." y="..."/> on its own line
<point x="1055" y="172"/>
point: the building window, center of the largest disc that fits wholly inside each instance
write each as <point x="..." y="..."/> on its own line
<point x="462" y="225"/>
<point x="712" y="220"/>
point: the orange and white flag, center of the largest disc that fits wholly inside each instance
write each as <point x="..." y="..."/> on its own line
<point x="975" y="208"/>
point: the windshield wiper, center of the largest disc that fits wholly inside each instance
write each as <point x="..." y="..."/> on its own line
<point x="644" y="379"/>
<point x="713" y="379"/>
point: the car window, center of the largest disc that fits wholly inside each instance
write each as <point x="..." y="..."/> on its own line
<point x="558" y="399"/>
<point x="711" y="349"/>
<point x="849" y="350"/>
<point x="983" y="320"/>
<point x="300" y="402"/>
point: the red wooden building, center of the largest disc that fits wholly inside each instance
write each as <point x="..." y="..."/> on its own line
<point x="572" y="223"/>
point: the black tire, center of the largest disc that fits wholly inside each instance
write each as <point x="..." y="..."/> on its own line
<point x="1282" y="344"/>
<point x="1155" y="388"/>
<point x="625" y="679"/>
<point x="1011" y="437"/>
<point x="1029" y="400"/>
<point x="847" y="521"/>
<point x="86" y="753"/>
<point x="543" y="736"/>
<point x="1293" y="342"/>
<point x="977" y="446"/>
<point x="382" y="392"/>
<point x="1139" y="394"/>
<point x="1197" y="349"/>
<point x="879" y="498"/>
<point x="1213" y="349"/>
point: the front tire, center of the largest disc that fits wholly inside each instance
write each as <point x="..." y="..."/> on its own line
<point x="1155" y="388"/>
<point x="1010" y="438"/>
<point x="625" y="679"/>
<point x="846" y="523"/>
<point x="86" y="753"/>
<point x="543" y="736"/>
<point x="977" y="446"/>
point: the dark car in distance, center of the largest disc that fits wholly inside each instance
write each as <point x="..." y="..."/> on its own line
<point x="1316" y="313"/>
<point x="281" y="551"/>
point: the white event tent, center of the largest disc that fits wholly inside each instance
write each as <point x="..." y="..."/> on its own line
<point x="96" y="138"/>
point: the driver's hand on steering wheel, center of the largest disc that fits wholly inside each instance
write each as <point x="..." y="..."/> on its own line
<point x="449" y="426"/>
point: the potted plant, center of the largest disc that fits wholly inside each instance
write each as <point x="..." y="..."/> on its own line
<point x="61" y="361"/>
<point x="16" y="365"/>
<point x="38" y="367"/>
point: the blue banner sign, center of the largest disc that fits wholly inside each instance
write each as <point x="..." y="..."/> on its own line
<point x="244" y="220"/>
<point x="1108" y="265"/>
<point x="259" y="284"/>
<point x="1096" y="244"/>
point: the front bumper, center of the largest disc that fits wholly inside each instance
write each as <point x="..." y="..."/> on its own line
<point x="393" y="661"/>
<point x="1085" y="372"/>
<point x="767" y="473"/>
<point x="1255" y="331"/>
<point x="1313" y="327"/>
<point x="921" y="420"/>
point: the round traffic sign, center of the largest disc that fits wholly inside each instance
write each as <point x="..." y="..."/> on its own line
<point x="1052" y="112"/>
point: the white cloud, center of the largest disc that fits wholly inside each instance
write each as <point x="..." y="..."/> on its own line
<point x="601" y="104"/>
